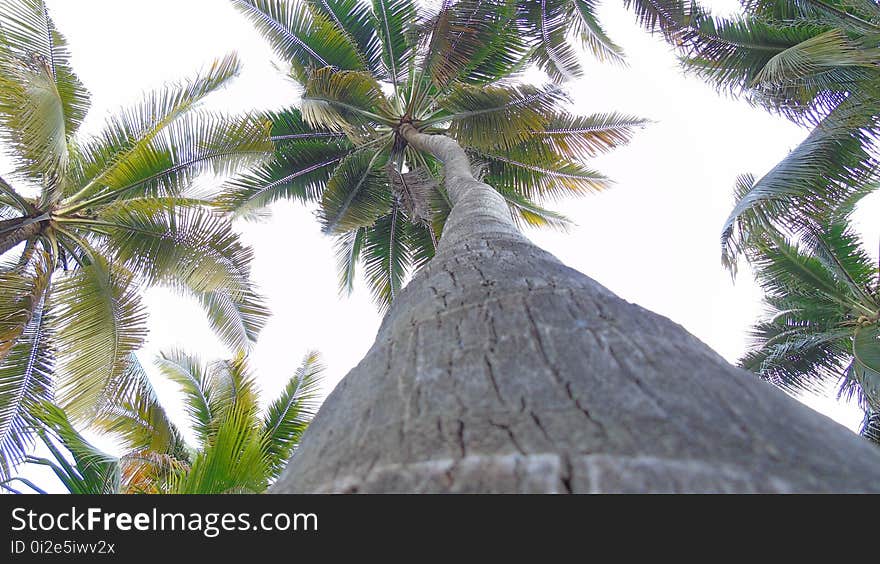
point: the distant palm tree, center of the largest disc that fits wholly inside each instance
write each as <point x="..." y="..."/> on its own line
<point x="370" y="69"/>
<point x="823" y="323"/>
<point x="85" y="222"/>
<point x="238" y="450"/>
<point x="814" y="62"/>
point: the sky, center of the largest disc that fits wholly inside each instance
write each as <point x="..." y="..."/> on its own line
<point x="653" y="238"/>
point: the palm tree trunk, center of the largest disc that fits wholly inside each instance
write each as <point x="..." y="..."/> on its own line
<point x="15" y="231"/>
<point x="499" y="369"/>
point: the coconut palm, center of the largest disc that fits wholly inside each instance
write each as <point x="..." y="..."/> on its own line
<point x="823" y="305"/>
<point x="816" y="63"/>
<point x="238" y="449"/>
<point x="87" y="221"/>
<point x="369" y="70"/>
<point x="496" y="367"/>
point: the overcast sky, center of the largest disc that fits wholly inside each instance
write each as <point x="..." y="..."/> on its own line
<point x="653" y="238"/>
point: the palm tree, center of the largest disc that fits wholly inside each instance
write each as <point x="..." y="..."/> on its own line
<point x="239" y="450"/>
<point x="497" y="368"/>
<point x="822" y="327"/>
<point x="814" y="62"/>
<point x="86" y="222"/>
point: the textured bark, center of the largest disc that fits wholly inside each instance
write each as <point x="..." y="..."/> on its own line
<point x="499" y="369"/>
<point x="27" y="229"/>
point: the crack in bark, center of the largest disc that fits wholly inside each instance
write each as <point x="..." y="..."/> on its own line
<point x="509" y="431"/>
<point x="540" y="426"/>
<point x="490" y="371"/>
<point x="566" y="472"/>
<point x="564" y="384"/>
<point x="460" y="435"/>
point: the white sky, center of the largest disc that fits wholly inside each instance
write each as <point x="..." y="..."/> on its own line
<point x="653" y="239"/>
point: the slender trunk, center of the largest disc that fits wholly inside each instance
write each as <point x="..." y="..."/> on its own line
<point x="499" y="369"/>
<point x="15" y="231"/>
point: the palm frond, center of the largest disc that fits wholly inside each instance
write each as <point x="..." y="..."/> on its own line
<point x="348" y="252"/>
<point x="357" y="193"/>
<point x="592" y="34"/>
<point x="26" y="380"/>
<point x="533" y="172"/>
<point x="104" y="323"/>
<point x="577" y="137"/>
<point x="307" y="38"/>
<point x="393" y="19"/>
<point x="345" y="101"/>
<point x="192" y="376"/>
<point x="473" y="42"/>
<point x="234" y="388"/>
<point x="170" y="161"/>
<point x="354" y="18"/>
<point x="233" y="462"/>
<point x="831" y="165"/>
<point x="194" y="248"/>
<point x="866" y="353"/>
<point x="550" y="21"/>
<point x="132" y="413"/>
<point x="129" y="133"/>
<point x="91" y="471"/>
<point x="237" y="317"/>
<point x="23" y="292"/>
<point x="299" y="172"/>
<point x="288" y="416"/>
<point x="386" y="255"/>
<point x="37" y="82"/>
<point x="498" y="116"/>
<point x="673" y="18"/>
<point x="525" y="212"/>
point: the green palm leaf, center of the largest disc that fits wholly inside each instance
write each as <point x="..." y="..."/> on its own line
<point x="193" y="248"/>
<point x="23" y="292"/>
<point x="497" y="116"/>
<point x="233" y="462"/>
<point x="91" y="470"/>
<point x="348" y="251"/>
<point x="531" y="171"/>
<point x="833" y="164"/>
<point x="354" y="19"/>
<point x="26" y="379"/>
<point x="104" y="324"/>
<point x="357" y="193"/>
<point x="194" y="380"/>
<point x="236" y="317"/>
<point x="307" y="38"/>
<point x="132" y="414"/>
<point x="171" y="160"/>
<point x="473" y="42"/>
<point x="386" y="254"/>
<point x="393" y="19"/>
<point x="577" y="137"/>
<point x="288" y="416"/>
<point x="42" y="102"/>
<point x="550" y="21"/>
<point x="126" y="134"/>
<point x="345" y="101"/>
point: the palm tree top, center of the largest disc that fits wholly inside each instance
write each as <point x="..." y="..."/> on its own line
<point x="823" y="319"/>
<point x="368" y="69"/>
